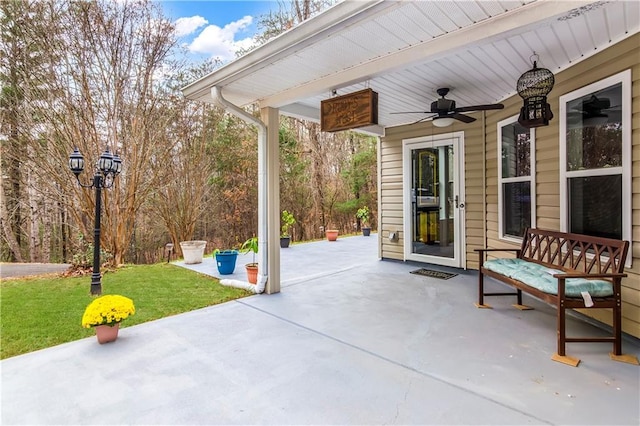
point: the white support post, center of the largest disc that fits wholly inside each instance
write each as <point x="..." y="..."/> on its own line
<point x="270" y="117"/>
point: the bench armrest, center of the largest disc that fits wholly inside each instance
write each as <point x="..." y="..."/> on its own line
<point x="497" y="249"/>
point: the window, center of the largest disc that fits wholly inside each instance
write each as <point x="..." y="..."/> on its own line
<point x="516" y="184"/>
<point x="595" y="159"/>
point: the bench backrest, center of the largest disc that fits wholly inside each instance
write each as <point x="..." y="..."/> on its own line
<point x="574" y="252"/>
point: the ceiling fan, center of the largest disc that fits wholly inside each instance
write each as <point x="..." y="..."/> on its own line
<point x="443" y="111"/>
<point x="593" y="111"/>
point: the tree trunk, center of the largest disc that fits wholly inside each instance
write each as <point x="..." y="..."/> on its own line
<point x="47" y="229"/>
<point x="34" y="219"/>
<point x="6" y="225"/>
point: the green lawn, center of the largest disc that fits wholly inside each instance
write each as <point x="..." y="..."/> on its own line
<point x="37" y="313"/>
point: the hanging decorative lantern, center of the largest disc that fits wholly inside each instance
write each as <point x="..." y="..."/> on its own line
<point x="533" y="87"/>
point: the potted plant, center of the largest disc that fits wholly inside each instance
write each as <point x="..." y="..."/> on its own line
<point x="332" y="234"/>
<point x="192" y="251"/>
<point x="252" y="268"/>
<point x="286" y="221"/>
<point x="225" y="260"/>
<point x="105" y="314"/>
<point x="364" y="214"/>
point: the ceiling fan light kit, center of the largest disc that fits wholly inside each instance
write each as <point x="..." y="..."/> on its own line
<point x="443" y="121"/>
<point x="533" y="87"/>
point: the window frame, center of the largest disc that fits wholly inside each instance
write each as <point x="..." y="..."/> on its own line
<point x="625" y="169"/>
<point x="531" y="179"/>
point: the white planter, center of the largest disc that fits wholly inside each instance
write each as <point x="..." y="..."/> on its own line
<point x="193" y="251"/>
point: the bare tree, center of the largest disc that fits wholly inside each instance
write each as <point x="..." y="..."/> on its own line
<point x="97" y="75"/>
<point x="15" y="57"/>
<point x="102" y="68"/>
<point x="182" y="198"/>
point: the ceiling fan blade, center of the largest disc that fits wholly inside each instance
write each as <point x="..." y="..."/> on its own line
<point x="430" y="117"/>
<point x="462" y="117"/>
<point x="411" y="112"/>
<point x="479" y="108"/>
<point x="420" y="121"/>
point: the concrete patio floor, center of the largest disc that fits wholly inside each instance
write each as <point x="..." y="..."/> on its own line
<point x="350" y="339"/>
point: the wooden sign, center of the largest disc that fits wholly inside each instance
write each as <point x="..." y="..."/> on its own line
<point x="357" y="109"/>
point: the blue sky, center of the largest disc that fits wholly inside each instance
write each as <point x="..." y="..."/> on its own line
<point x="212" y="28"/>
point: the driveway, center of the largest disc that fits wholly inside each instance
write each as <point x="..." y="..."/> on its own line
<point x="17" y="270"/>
<point x="358" y="341"/>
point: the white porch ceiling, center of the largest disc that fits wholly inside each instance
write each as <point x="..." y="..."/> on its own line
<point x="406" y="50"/>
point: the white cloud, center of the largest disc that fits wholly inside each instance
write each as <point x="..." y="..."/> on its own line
<point x="221" y="42"/>
<point x="186" y="26"/>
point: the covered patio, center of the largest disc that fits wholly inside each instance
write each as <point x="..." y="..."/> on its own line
<point x="351" y="341"/>
<point x="452" y="183"/>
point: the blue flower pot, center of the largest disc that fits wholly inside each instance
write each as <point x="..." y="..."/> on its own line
<point x="226" y="261"/>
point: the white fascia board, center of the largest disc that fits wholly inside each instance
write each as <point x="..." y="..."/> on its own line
<point x="303" y="112"/>
<point x="478" y="33"/>
<point x="323" y="25"/>
<point x="373" y="130"/>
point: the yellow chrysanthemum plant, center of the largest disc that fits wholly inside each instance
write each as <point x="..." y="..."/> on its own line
<point x="108" y="310"/>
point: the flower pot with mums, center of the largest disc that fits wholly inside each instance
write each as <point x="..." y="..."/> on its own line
<point x="105" y="314"/>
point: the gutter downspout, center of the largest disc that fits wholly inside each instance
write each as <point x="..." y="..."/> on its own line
<point x="218" y="99"/>
<point x="484" y="181"/>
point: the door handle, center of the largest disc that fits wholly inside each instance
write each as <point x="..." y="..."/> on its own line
<point x="459" y="205"/>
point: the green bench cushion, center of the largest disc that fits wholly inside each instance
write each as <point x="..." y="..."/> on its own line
<point x="541" y="277"/>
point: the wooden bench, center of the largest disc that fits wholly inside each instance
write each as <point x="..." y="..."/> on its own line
<point x="559" y="268"/>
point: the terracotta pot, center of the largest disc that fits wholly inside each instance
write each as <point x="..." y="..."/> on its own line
<point x="332" y="234"/>
<point x="252" y="273"/>
<point x="107" y="333"/>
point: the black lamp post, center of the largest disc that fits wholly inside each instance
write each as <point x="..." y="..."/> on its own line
<point x="107" y="168"/>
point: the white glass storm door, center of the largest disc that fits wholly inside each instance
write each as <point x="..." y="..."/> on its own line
<point x="433" y="191"/>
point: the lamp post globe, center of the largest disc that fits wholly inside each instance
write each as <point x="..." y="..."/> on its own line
<point x="105" y="162"/>
<point x="116" y="167"/>
<point x="76" y="162"/>
<point x="107" y="168"/>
